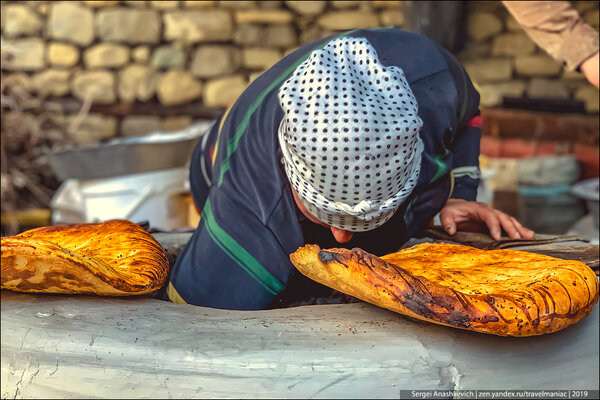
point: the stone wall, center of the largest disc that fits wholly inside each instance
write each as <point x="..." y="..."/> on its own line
<point x="504" y="61"/>
<point x="172" y="53"/>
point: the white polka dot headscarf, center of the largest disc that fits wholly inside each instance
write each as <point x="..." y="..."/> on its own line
<point x="350" y="135"/>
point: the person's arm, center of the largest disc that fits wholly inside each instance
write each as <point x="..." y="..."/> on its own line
<point x="232" y="261"/>
<point x="558" y="29"/>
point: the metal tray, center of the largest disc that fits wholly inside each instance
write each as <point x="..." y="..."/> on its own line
<point x="153" y="152"/>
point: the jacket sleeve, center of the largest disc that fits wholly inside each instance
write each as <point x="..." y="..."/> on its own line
<point x="465" y="166"/>
<point x="557" y="28"/>
<point x="465" y="142"/>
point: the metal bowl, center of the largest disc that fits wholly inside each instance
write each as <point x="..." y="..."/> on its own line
<point x="153" y="152"/>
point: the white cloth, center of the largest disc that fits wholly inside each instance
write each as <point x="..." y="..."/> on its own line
<point x="350" y="135"/>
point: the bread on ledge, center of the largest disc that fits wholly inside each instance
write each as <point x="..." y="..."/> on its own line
<point x="501" y="292"/>
<point x="113" y="258"/>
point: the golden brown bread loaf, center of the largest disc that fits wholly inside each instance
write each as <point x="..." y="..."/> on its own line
<point x="113" y="258"/>
<point x="502" y="292"/>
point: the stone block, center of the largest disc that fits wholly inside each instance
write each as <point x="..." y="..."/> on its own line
<point x="199" y="4"/>
<point x="62" y="55"/>
<point x="141" y="54"/>
<point x="537" y="65"/>
<point x="485" y="6"/>
<point x="254" y="75"/>
<point x="128" y="25"/>
<point x="307" y="7"/>
<point x="540" y="88"/>
<point x="280" y="36"/>
<point x="493" y="93"/>
<point x="345" y="4"/>
<point x="99" y="85"/>
<point x="175" y="123"/>
<point x="264" y="17"/>
<point x="475" y="50"/>
<point x="92" y="129"/>
<point x="270" y="5"/>
<point x="23" y="54"/>
<point x="212" y="60"/>
<point x="165" y="4"/>
<point x="139" y="125"/>
<point x="52" y="82"/>
<point x="71" y="22"/>
<point x="19" y="20"/>
<point x="223" y="92"/>
<point x="591" y="17"/>
<point x="136" y="3"/>
<point x="18" y="79"/>
<point x="198" y="26"/>
<point x="572" y="75"/>
<point x="168" y="56"/>
<point x="386" y="4"/>
<point x="137" y="82"/>
<point x="482" y="25"/>
<point x="260" y="58"/>
<point x="391" y="17"/>
<point x="248" y="34"/>
<point x="311" y="34"/>
<point x="178" y="87"/>
<point x="512" y="44"/>
<point x="489" y="70"/>
<point x="583" y="6"/>
<point x="589" y="95"/>
<point x="106" y="55"/>
<point x="101" y="4"/>
<point x="512" y="25"/>
<point x="343" y="20"/>
<point x="237" y="4"/>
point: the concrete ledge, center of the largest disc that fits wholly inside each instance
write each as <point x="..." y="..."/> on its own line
<point x="82" y="347"/>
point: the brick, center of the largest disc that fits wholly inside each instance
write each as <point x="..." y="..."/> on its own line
<point x="99" y="85"/>
<point x="489" y="70"/>
<point x="198" y="26"/>
<point x="547" y="89"/>
<point x="137" y="82"/>
<point x="223" y="92"/>
<point x="342" y="20"/>
<point x="264" y="17"/>
<point x="212" y="60"/>
<point x="71" y="22"/>
<point x="106" y="55"/>
<point x="139" y="125"/>
<point x="260" y="58"/>
<point x="128" y="25"/>
<point x="483" y="25"/>
<point x="178" y="87"/>
<point x="52" y="82"/>
<point x="19" y="20"/>
<point x="307" y="7"/>
<point x="537" y="65"/>
<point x="23" y="54"/>
<point x="512" y="44"/>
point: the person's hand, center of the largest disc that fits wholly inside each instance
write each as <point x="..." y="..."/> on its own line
<point x="590" y="69"/>
<point x="473" y="216"/>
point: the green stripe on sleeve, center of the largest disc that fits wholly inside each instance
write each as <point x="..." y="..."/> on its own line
<point x="237" y="253"/>
<point x="239" y="132"/>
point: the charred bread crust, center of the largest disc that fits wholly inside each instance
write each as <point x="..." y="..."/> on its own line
<point x="501" y="292"/>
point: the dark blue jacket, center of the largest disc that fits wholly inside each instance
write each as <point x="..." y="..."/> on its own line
<point x="238" y="257"/>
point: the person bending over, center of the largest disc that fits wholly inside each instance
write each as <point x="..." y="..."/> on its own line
<point x="356" y="140"/>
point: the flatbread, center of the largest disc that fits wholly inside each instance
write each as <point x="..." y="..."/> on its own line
<point x="501" y="292"/>
<point x="113" y="258"/>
